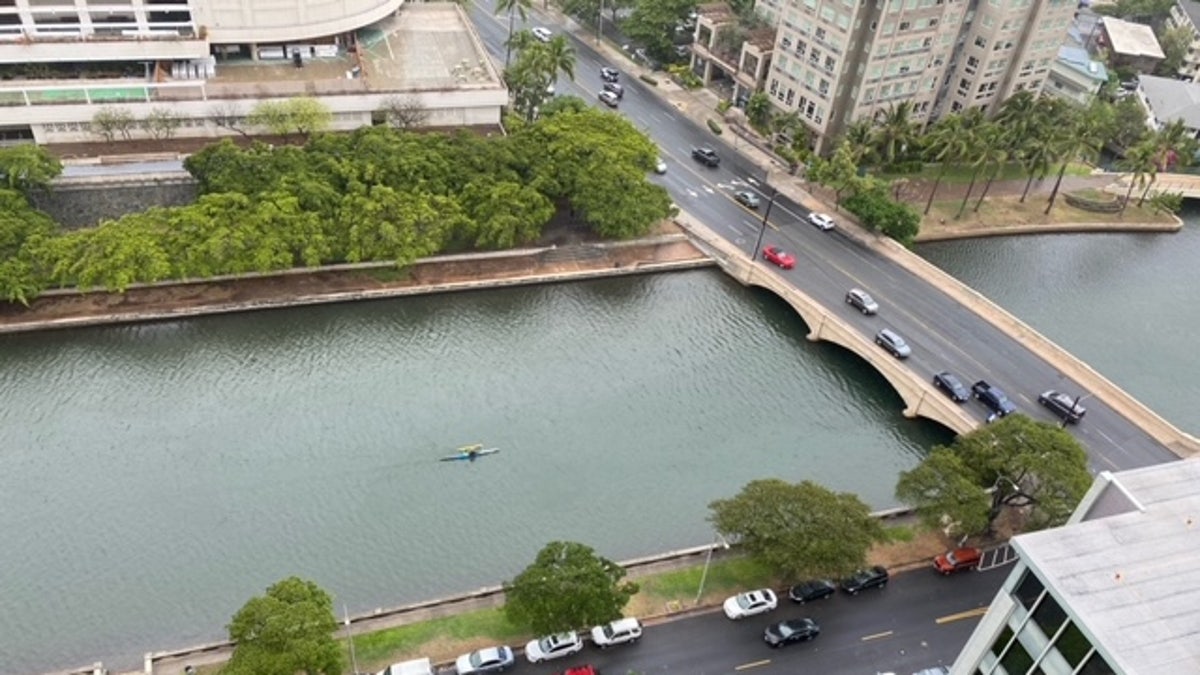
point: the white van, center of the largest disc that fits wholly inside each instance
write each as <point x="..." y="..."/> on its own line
<point x="617" y="632"/>
<point x="414" y="667"/>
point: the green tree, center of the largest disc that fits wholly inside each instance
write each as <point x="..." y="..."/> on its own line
<point x="839" y="172"/>
<point x="1080" y="137"/>
<point x="618" y="202"/>
<point x="513" y="8"/>
<point x="758" y="111"/>
<point x="652" y="24"/>
<point x="28" y="167"/>
<point x="879" y="212"/>
<point x="288" y="630"/>
<point x="1140" y="161"/>
<point x="304" y="116"/>
<point x="946" y="144"/>
<point x="505" y="213"/>
<point x="787" y="526"/>
<point x="108" y="122"/>
<point x="993" y="153"/>
<point x="896" y="132"/>
<point x="161" y="123"/>
<point x="1175" y="42"/>
<point x="861" y="137"/>
<point x="567" y="586"/>
<point x="537" y="66"/>
<point x="1014" y="463"/>
<point x="1130" y="121"/>
<point x="114" y="255"/>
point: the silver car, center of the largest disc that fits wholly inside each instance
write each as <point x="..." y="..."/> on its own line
<point x="891" y="341"/>
<point x="862" y="301"/>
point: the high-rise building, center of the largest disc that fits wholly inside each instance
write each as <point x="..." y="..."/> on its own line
<point x="1112" y="592"/>
<point x="61" y="61"/>
<point x="837" y="61"/>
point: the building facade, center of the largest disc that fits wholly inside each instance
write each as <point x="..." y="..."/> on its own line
<point x="1186" y="14"/>
<point x="64" y="60"/>
<point x="1112" y="592"/>
<point x="1075" y="77"/>
<point x="838" y="61"/>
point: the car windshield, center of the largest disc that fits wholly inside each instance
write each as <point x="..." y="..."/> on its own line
<point x="482" y="656"/>
<point x="865" y="298"/>
<point x="747" y="600"/>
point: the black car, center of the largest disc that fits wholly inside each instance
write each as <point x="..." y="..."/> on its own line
<point x="609" y="74"/>
<point x="795" y="630"/>
<point x="615" y="88"/>
<point x="951" y="386"/>
<point x="863" y="579"/>
<point x="706" y="156"/>
<point x="1066" y="407"/>
<point x="808" y="591"/>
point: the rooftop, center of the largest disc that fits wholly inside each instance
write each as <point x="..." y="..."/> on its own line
<point x="1172" y="100"/>
<point x="1128" y="571"/>
<point x="1132" y="39"/>
<point x="1078" y="59"/>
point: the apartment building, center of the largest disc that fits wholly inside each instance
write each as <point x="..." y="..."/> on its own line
<point x="62" y="61"/>
<point x="837" y="61"/>
<point x="1186" y="13"/>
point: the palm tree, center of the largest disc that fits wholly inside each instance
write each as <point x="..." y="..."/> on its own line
<point x="860" y="136"/>
<point x="1080" y="138"/>
<point x="945" y="144"/>
<point x="994" y="151"/>
<point x="512" y="7"/>
<point x="559" y="58"/>
<point x="896" y="132"/>
<point x="1018" y="114"/>
<point x="1140" y="161"/>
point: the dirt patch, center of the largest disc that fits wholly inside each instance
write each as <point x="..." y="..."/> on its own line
<point x="997" y="215"/>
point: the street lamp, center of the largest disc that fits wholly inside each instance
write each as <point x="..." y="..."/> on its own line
<point x="350" y="639"/>
<point x="762" y="228"/>
<point x="707" y="561"/>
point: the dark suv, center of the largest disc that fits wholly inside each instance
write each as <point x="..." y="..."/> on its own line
<point x="1066" y="407"/>
<point x="872" y="577"/>
<point x="706" y="156"/>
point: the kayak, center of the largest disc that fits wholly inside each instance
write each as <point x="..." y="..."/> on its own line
<point x="465" y="453"/>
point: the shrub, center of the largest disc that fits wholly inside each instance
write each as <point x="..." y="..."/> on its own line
<point x="648" y="80"/>
<point x="878" y="212"/>
<point x="724" y="105"/>
<point x="714" y="127"/>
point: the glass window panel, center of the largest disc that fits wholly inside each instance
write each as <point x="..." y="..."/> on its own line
<point x="1049" y="616"/>
<point x="1073" y="645"/>
<point x="1016" y="661"/>
<point x="1028" y="590"/>
<point x="1096" y="665"/>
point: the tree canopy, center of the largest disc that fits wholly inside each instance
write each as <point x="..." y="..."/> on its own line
<point x="800" y="529"/>
<point x="288" y="630"/>
<point x="1013" y="463"/>
<point x="568" y="586"/>
<point x="28" y="167"/>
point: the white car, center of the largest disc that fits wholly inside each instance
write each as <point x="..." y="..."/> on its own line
<point x="617" y="632"/>
<point x="489" y="660"/>
<point x="660" y="166"/>
<point x="822" y="221"/>
<point x="542" y="34"/>
<point x="553" y="647"/>
<point x="750" y="603"/>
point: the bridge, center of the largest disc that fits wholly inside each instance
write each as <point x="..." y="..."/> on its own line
<point x="920" y="397"/>
<point x="1185" y="184"/>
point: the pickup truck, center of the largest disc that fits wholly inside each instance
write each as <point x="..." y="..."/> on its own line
<point x="996" y="400"/>
<point x="706" y="156"/>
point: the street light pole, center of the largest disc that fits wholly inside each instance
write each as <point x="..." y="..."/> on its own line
<point x="707" y="561"/>
<point x="600" y="22"/>
<point x="762" y="228"/>
<point x="350" y="639"/>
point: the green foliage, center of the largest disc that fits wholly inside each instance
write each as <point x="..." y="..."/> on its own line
<point x="839" y="172"/>
<point x="109" y="122"/>
<point x="758" y="111"/>
<point x="1175" y="42"/>
<point x="27" y="167"/>
<point x="1165" y="202"/>
<point x="682" y="73"/>
<point x="724" y="105"/>
<point x="652" y="24"/>
<point x="286" y="631"/>
<point x="537" y="66"/>
<point x="714" y="127"/>
<point x="567" y="586"/>
<point x="1014" y="463"/>
<point x="877" y="211"/>
<point x="1144" y="11"/>
<point x="304" y="116"/>
<point x="799" y="529"/>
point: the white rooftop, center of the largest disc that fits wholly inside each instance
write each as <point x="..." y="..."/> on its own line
<point x="1130" y="572"/>
<point x="1172" y="100"/>
<point x="1132" y="39"/>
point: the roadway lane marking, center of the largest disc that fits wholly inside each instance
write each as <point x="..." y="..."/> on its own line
<point x="969" y="614"/>
<point x="876" y="636"/>
<point x="754" y="664"/>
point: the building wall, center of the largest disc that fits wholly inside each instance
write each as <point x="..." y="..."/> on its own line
<point x="1191" y="62"/>
<point x="244" y="21"/>
<point x="1070" y="85"/>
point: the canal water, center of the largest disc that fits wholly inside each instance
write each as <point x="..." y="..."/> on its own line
<point x="153" y="478"/>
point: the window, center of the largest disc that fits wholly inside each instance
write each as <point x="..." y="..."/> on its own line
<point x="1073" y="645"/>
<point x="980" y="42"/>
<point x="1096" y="666"/>
<point x="1049" y="616"/>
<point x="1016" y="659"/>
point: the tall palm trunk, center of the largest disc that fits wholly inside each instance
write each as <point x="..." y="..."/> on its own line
<point x="1054" y="193"/>
<point x="937" y="181"/>
<point x="987" y="186"/>
<point x="1149" y="184"/>
<point x="967" y="197"/>
<point x="1028" y="184"/>
<point x="508" y="43"/>
<point x="1128" y="193"/>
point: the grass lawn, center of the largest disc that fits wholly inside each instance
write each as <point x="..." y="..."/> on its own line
<point x="997" y="214"/>
<point x="439" y="637"/>
<point x="962" y="174"/>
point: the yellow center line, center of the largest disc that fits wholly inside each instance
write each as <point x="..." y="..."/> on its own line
<point x="969" y="614"/>
<point x="754" y="664"/>
<point x="876" y="636"/>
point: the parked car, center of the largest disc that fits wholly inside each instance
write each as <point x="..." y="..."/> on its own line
<point x="615" y="88"/>
<point x="862" y="301"/>
<point x="490" y="660"/>
<point x="610" y="74"/>
<point x="872" y="577"/>
<point x="746" y="198"/>
<point x="706" y="156"/>
<point x="1065" y="406"/>
<point x="542" y="34"/>
<point x="965" y="558"/>
<point x="780" y="257"/>
<point x="660" y="166"/>
<point x="807" y="591"/>
<point x="822" y="221"/>
<point x="750" y="603"/>
<point x="412" y="667"/>
<point x="608" y="98"/>
<point x="794" y="630"/>
<point x="553" y="647"/>
<point x="617" y="632"/>
<point x="891" y="341"/>
<point x="951" y="386"/>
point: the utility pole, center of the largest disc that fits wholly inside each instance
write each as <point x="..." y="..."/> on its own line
<point x="762" y="229"/>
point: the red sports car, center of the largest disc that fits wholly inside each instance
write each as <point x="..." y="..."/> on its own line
<point x="778" y="256"/>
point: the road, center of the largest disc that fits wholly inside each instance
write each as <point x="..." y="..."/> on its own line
<point x="921" y="619"/>
<point x="943" y="334"/>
